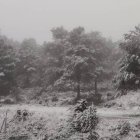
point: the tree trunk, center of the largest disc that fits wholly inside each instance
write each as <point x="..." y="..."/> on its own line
<point x="78" y="91"/>
<point x="27" y="80"/>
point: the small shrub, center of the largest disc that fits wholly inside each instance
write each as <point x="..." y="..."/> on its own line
<point x="109" y="96"/>
<point x="137" y="136"/>
<point x="19" y="138"/>
<point x="40" y="102"/>
<point x="46" y="100"/>
<point x="22" y="115"/>
<point x="110" y="104"/>
<point x="80" y="106"/>
<point x="8" y="101"/>
<point x="85" y="121"/>
<point x="93" y="136"/>
<point x="54" y="99"/>
<point x="138" y="125"/>
<point x="125" y="128"/>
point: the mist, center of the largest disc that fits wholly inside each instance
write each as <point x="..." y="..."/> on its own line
<point x="35" y="18"/>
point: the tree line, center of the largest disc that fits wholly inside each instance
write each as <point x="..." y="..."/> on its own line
<point x="74" y="60"/>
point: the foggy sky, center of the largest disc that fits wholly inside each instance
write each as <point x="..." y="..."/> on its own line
<point x="21" y="19"/>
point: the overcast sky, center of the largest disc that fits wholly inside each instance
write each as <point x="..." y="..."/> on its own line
<point x="21" y="19"/>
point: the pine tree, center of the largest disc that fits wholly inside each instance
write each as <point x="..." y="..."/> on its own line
<point x="128" y="77"/>
<point x="7" y="68"/>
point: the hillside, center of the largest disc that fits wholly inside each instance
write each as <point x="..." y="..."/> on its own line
<point x="129" y="101"/>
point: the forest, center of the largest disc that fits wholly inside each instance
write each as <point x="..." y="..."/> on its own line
<point x="81" y="70"/>
<point x="73" y="61"/>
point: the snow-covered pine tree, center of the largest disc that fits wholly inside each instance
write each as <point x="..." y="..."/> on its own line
<point x="7" y="67"/>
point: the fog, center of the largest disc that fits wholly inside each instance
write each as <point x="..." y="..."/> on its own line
<point x="21" y="19"/>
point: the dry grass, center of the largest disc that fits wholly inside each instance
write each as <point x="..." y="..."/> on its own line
<point x="52" y="121"/>
<point x="42" y="121"/>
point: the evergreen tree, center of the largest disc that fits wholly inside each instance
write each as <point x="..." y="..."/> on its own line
<point x="128" y="77"/>
<point x="84" y="54"/>
<point x="28" y="61"/>
<point x="7" y="68"/>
